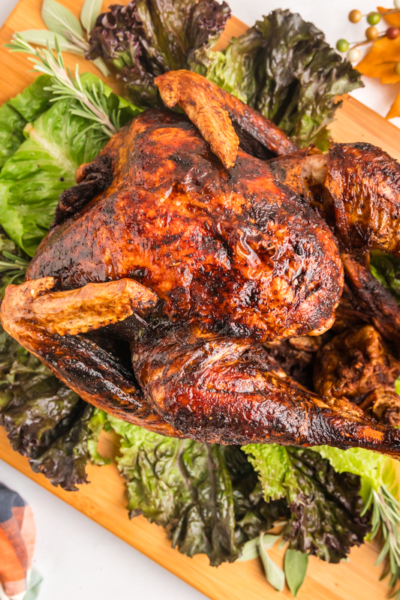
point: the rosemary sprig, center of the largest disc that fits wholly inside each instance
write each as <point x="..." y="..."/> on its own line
<point x="17" y="262"/>
<point x="13" y="269"/>
<point x="386" y="521"/>
<point x="93" y="102"/>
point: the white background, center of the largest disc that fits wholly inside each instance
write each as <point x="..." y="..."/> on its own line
<point x="78" y="559"/>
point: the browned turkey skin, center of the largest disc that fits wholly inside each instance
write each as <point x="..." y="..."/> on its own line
<point x="354" y="364"/>
<point x="355" y="187"/>
<point x="190" y="260"/>
<point x="358" y="365"/>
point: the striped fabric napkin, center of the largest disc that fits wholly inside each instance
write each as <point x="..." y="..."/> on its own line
<point x="17" y="542"/>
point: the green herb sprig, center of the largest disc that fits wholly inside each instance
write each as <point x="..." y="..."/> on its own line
<point x="386" y="522"/>
<point x="93" y="104"/>
<point x="14" y="266"/>
<point x="12" y="270"/>
<point x="71" y="34"/>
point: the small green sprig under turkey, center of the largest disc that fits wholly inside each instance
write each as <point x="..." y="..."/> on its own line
<point x="14" y="266"/>
<point x="13" y="263"/>
<point x="386" y="523"/>
<point x="93" y="103"/>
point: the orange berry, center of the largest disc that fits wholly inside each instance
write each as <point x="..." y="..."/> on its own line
<point x="372" y="33"/>
<point x="355" y="16"/>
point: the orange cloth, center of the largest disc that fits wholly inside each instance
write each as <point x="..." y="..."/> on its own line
<point x="17" y="540"/>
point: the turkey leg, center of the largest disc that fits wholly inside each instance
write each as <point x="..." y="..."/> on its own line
<point x="49" y="324"/>
<point x="220" y="390"/>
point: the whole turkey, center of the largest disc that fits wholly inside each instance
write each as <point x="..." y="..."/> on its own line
<point x="181" y="252"/>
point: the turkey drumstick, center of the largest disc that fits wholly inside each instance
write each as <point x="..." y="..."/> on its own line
<point x="202" y="386"/>
<point x="98" y="377"/>
<point x="221" y="390"/>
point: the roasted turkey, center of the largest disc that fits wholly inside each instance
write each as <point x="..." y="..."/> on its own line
<point x="180" y="256"/>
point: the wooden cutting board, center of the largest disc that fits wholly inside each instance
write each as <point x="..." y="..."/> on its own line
<point x="103" y="500"/>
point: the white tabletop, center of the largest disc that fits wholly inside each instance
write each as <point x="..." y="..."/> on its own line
<point x="77" y="558"/>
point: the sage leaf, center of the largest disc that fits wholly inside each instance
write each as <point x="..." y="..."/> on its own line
<point x="274" y="574"/>
<point x="102" y="67"/>
<point x="90" y="11"/>
<point x="270" y="540"/>
<point x="61" y="20"/>
<point x="43" y="37"/>
<point x="250" y="551"/>
<point x="296" y="564"/>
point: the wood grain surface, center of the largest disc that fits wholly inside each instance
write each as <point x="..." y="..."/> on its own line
<point x="103" y="500"/>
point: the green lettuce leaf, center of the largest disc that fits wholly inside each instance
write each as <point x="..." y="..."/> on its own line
<point x="233" y="69"/>
<point x="386" y="269"/>
<point x="34" y="100"/>
<point x="253" y="514"/>
<point x="182" y="485"/>
<point x="11" y="132"/>
<point x="283" y="68"/>
<point x="374" y="469"/>
<point x="369" y="465"/>
<point x="273" y="464"/>
<point x="206" y="496"/>
<point x="33" y="178"/>
<point x="15" y="114"/>
<point x="45" y="165"/>
<point x="325" y="506"/>
<point x="98" y="422"/>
